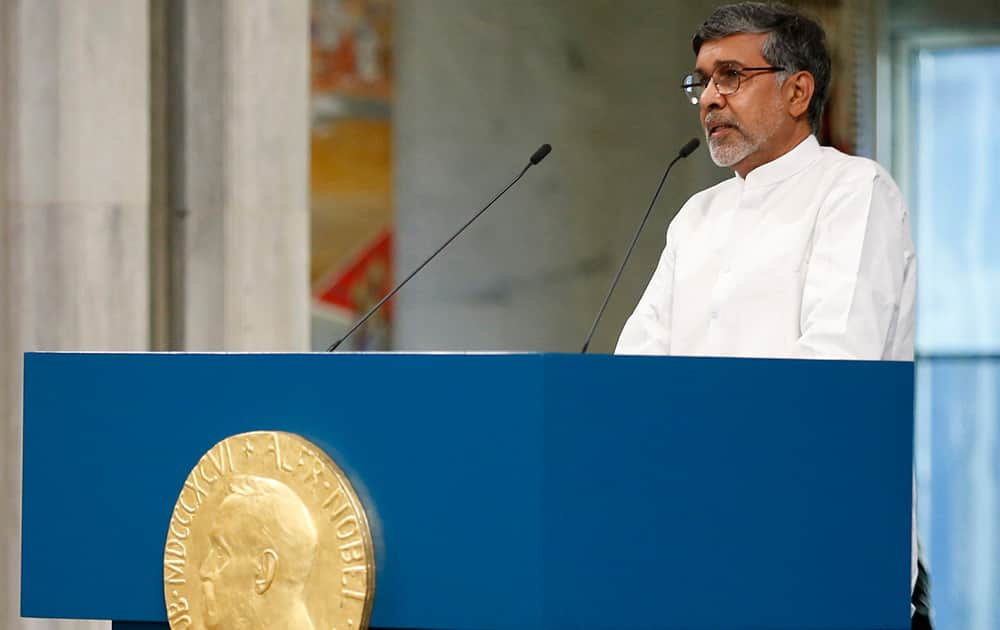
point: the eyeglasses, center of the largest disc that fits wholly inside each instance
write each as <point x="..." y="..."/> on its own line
<point x="726" y="78"/>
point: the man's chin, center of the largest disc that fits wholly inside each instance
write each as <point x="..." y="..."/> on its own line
<point x="211" y="620"/>
<point x="726" y="154"/>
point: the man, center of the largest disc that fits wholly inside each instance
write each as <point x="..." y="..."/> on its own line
<point x="260" y="552"/>
<point x="806" y="252"/>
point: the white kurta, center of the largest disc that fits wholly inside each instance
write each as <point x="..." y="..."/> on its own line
<point x="810" y="256"/>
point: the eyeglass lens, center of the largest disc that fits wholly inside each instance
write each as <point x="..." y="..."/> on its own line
<point x="726" y="79"/>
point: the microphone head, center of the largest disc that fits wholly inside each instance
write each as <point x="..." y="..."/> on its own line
<point x="690" y="147"/>
<point x="540" y="154"/>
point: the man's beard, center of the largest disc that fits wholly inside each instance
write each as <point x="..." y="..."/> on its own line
<point x="738" y="145"/>
<point x="733" y="148"/>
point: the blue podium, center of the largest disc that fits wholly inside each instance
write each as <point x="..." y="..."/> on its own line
<point x="504" y="491"/>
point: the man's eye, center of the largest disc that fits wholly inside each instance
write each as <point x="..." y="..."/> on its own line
<point x="730" y="73"/>
<point x="218" y="550"/>
<point x="220" y="556"/>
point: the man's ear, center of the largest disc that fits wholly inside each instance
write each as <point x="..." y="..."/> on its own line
<point x="267" y="566"/>
<point x="798" y="90"/>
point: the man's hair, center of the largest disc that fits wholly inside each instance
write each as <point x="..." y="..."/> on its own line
<point x="270" y="514"/>
<point x="795" y="42"/>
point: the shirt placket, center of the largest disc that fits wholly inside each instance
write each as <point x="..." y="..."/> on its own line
<point x="736" y="244"/>
<point x="723" y="254"/>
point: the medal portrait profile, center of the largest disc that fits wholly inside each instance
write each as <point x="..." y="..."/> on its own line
<point x="267" y="532"/>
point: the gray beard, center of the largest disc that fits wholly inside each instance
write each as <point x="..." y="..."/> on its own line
<point x="731" y="151"/>
<point x="739" y="146"/>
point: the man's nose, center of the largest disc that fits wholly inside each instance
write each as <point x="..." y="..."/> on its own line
<point x="710" y="98"/>
<point x="206" y="570"/>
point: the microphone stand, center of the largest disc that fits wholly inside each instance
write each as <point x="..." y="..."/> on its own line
<point x="536" y="157"/>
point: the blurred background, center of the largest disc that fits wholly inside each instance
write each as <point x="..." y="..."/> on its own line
<point x="251" y="175"/>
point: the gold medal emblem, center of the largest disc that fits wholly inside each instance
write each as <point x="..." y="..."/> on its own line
<point x="268" y="533"/>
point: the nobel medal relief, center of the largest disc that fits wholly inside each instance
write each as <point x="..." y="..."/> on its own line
<point x="267" y="532"/>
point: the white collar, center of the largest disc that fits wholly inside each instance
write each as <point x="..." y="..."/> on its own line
<point x="780" y="169"/>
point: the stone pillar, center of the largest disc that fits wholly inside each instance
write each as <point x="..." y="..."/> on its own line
<point x="480" y="85"/>
<point x="231" y="157"/>
<point x="241" y="151"/>
<point x="74" y="132"/>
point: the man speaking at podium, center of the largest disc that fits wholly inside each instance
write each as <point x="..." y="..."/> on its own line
<point x="806" y="252"/>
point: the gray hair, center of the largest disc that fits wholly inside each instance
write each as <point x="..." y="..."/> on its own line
<point x="795" y="42"/>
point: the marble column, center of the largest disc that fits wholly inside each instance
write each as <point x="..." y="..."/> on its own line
<point x="240" y="176"/>
<point x="230" y="129"/>
<point x="74" y="209"/>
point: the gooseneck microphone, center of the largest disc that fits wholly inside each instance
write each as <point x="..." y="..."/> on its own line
<point x="685" y="151"/>
<point x="535" y="158"/>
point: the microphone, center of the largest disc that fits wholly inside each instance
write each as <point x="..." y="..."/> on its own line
<point x="685" y="151"/>
<point x="536" y="157"/>
<point x="540" y="154"/>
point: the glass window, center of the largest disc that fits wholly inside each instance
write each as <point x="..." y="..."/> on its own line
<point x="955" y="197"/>
<point x="954" y="158"/>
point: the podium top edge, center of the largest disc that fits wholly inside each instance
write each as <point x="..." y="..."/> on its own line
<point x="406" y="353"/>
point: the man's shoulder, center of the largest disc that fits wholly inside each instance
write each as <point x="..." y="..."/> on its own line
<point x="839" y="165"/>
<point x="841" y="168"/>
